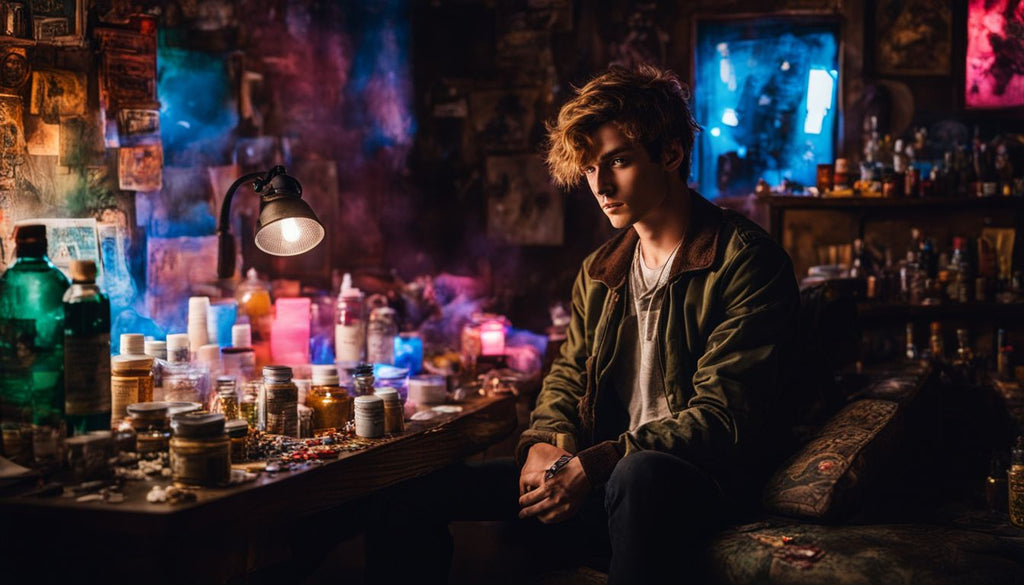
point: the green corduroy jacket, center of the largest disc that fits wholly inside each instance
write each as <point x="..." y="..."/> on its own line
<point x="725" y="341"/>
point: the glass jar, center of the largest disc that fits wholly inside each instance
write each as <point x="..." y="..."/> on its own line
<point x="151" y="424"/>
<point x="281" y="403"/>
<point x="200" y="451"/>
<point x="238" y="432"/>
<point x="363" y="380"/>
<point x="227" y="397"/>
<point x="380" y="336"/>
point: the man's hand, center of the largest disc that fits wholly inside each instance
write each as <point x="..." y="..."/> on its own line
<point x="555" y="499"/>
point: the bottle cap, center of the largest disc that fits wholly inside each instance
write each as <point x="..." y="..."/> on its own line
<point x="197" y="306"/>
<point x="241" y="335"/>
<point x="133" y="344"/>
<point x="30" y="233"/>
<point x="156" y="348"/>
<point x="387" y="394"/>
<point x="177" y="342"/>
<point x="83" y="271"/>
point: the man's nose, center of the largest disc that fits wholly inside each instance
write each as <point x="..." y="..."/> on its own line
<point x="604" y="182"/>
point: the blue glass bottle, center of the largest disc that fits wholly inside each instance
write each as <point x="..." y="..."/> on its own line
<point x="32" y="352"/>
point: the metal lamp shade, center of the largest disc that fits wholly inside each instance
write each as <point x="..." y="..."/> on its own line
<point x="287" y="226"/>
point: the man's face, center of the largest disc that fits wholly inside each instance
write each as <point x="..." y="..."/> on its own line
<point x="628" y="185"/>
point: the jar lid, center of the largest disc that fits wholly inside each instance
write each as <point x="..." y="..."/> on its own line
<point x="236" y="428"/>
<point x="325" y="375"/>
<point x="182" y="407"/>
<point x="241" y="335"/>
<point x="277" y="373"/>
<point x="177" y="341"/>
<point x="368" y="401"/>
<point x="387" y="394"/>
<point x="132" y="362"/>
<point x="156" y="348"/>
<point x="147" y="410"/>
<point x="196" y="425"/>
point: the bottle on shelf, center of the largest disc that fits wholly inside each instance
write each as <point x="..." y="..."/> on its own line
<point x="32" y="352"/>
<point x="964" y="360"/>
<point x="86" y="351"/>
<point x="936" y="345"/>
<point x="911" y="352"/>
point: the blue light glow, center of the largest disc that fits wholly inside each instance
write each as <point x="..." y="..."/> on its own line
<point x="767" y="91"/>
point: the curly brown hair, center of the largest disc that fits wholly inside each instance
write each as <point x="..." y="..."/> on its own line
<point x="647" y="104"/>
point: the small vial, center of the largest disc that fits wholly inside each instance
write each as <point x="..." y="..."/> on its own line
<point x="394" y="416"/>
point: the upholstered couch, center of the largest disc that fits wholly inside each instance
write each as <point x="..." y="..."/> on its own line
<point x="886" y="481"/>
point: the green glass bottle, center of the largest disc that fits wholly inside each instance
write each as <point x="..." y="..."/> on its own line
<point x="86" y="351"/>
<point x="32" y="352"/>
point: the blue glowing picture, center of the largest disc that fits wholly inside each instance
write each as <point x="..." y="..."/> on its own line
<point x="766" y="95"/>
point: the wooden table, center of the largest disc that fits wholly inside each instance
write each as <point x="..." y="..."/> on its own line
<point x="228" y="533"/>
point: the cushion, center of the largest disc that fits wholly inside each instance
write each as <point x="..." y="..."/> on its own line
<point x="780" y="552"/>
<point x="824" y="479"/>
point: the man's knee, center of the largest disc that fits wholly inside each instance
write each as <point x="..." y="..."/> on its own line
<point x="646" y="474"/>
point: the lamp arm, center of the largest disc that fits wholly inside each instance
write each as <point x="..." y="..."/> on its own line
<point x="225" y="241"/>
<point x="225" y="207"/>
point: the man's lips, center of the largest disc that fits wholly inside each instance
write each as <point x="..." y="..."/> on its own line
<point x="612" y="205"/>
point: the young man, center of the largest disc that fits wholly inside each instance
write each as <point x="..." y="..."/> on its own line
<point x="658" y="412"/>
<point x="660" y="405"/>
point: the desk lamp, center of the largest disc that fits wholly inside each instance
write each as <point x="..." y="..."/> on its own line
<point x="286" y="226"/>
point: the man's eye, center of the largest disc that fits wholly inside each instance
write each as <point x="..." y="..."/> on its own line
<point x="588" y="170"/>
<point x="618" y="162"/>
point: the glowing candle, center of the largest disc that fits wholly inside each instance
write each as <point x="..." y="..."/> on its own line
<point x="492" y="338"/>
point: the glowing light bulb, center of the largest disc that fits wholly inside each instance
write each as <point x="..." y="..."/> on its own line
<point x="290" y="230"/>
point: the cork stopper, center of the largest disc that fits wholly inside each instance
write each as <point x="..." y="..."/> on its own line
<point x="83" y="271"/>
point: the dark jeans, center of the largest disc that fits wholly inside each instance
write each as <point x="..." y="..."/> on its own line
<point x="649" y="523"/>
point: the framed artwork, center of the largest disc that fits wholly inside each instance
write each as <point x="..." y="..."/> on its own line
<point x="994" y="73"/>
<point x="913" y="37"/>
<point x="523" y="206"/>
<point x="766" y="95"/>
<point x="58" y="22"/>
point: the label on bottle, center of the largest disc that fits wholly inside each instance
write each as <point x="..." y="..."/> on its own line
<point x="348" y="342"/>
<point x="125" y="390"/>
<point x="87" y="374"/>
<point x="380" y="348"/>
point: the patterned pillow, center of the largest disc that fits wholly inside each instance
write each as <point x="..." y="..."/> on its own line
<point x="825" y="478"/>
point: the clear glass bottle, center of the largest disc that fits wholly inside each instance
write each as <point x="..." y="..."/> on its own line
<point x="32" y="350"/>
<point x="158" y="351"/>
<point x="86" y="351"/>
<point x="363" y="380"/>
<point x="183" y="380"/>
<point x="239" y="360"/>
<point x="380" y="336"/>
<point x="350" y="325"/>
<point x="227" y="397"/>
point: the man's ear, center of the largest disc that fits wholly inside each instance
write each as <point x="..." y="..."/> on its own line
<point x="672" y="156"/>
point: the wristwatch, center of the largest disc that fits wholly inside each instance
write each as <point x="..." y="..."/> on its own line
<point x="558" y="465"/>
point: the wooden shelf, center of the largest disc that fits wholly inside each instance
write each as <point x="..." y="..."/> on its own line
<point x="875" y="311"/>
<point x="804" y="202"/>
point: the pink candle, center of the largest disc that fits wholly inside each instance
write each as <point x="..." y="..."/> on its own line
<point x="492" y="338"/>
<point x="289" y="334"/>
